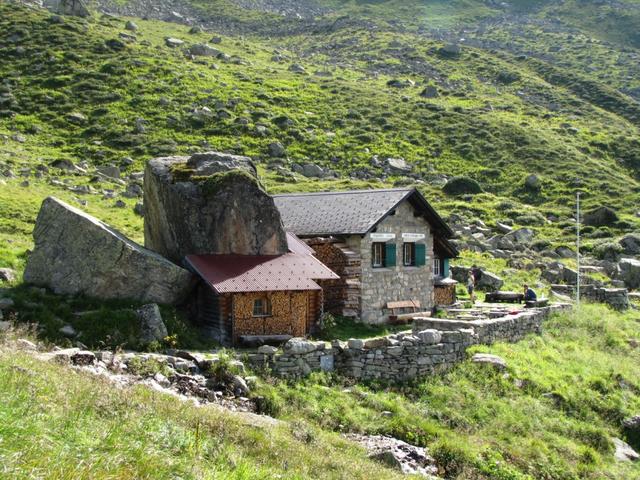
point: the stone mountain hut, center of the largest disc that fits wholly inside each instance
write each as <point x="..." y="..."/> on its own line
<point x="390" y="248"/>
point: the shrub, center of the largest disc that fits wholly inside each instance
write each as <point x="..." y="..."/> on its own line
<point x="608" y="251"/>
<point x="462" y="186"/>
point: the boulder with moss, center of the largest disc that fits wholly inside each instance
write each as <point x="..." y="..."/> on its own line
<point x="209" y="203"/>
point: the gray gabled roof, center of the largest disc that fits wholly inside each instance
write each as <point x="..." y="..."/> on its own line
<point x="354" y="212"/>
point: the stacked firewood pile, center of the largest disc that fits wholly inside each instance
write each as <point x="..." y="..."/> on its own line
<point x="342" y="296"/>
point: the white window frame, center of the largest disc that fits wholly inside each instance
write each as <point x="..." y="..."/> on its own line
<point x="377" y="254"/>
<point x="437" y="267"/>
<point x="410" y="249"/>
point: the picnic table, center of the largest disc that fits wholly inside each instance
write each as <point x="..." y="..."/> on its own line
<point x="504" y="297"/>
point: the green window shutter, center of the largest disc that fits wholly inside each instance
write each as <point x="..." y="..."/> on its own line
<point x="390" y="255"/>
<point x="421" y="256"/>
<point x="445" y="268"/>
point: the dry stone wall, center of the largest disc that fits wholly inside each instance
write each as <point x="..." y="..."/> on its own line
<point x="616" y="298"/>
<point x="432" y="345"/>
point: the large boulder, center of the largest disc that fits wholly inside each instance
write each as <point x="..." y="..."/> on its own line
<point x="461" y="186"/>
<point x="521" y="236"/>
<point x="629" y="269"/>
<point x="76" y="8"/>
<point x="600" y="217"/>
<point x="490" y="281"/>
<point x="77" y="254"/>
<point x="204" y="50"/>
<point x="630" y="244"/>
<point x="209" y="203"/>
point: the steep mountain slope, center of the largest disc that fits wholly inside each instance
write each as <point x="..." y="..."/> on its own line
<point x="342" y="93"/>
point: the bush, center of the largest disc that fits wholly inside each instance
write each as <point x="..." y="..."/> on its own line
<point x="462" y="186"/>
<point x="608" y="251"/>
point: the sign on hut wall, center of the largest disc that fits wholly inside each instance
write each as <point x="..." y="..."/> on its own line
<point x="382" y="237"/>
<point x="413" y="237"/>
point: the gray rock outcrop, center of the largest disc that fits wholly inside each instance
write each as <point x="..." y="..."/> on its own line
<point x="489" y="359"/>
<point x="600" y="217"/>
<point x="77" y="254"/>
<point x="76" y="8"/>
<point x="152" y="328"/>
<point x="209" y="203"/>
<point x="630" y="272"/>
<point x="630" y="244"/>
<point x="399" y="455"/>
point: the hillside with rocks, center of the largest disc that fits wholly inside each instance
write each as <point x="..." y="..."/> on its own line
<point x="169" y="124"/>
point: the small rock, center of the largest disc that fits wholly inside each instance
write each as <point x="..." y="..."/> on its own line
<point x="138" y="209"/>
<point x="430" y="91"/>
<point x="299" y="346"/>
<point x="355" y="343"/>
<point x="493" y="360"/>
<point x="24" y="344"/>
<point x="624" y="452"/>
<point x="162" y="380"/>
<point x="83" y="357"/>
<point x="297" y="68"/>
<point x="6" y="303"/>
<point x="430" y="337"/>
<point x="76" y="118"/>
<point x="7" y="275"/>
<point x="532" y="183"/>
<point x="151" y="325"/>
<point x="267" y="350"/>
<point x="239" y="386"/>
<point x="173" y="42"/>
<point x="131" y="26"/>
<point x="68" y="331"/>
<point x="276" y="149"/>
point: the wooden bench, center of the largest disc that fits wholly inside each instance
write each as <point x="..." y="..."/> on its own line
<point x="542" y="302"/>
<point x="413" y="305"/>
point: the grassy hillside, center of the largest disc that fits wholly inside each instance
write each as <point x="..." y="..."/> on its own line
<point x="497" y="118"/>
<point x="59" y="424"/>
<point x="551" y="415"/>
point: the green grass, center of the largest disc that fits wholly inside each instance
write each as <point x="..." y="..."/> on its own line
<point x="343" y="328"/>
<point x="551" y="416"/>
<point x="65" y="425"/>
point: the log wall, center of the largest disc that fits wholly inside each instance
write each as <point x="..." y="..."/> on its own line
<point x="290" y="314"/>
<point x="341" y="296"/>
<point x="444" y="294"/>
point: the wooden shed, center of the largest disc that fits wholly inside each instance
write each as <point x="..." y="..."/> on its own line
<point x="268" y="296"/>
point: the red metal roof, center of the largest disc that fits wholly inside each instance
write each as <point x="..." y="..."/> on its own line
<point x="260" y="273"/>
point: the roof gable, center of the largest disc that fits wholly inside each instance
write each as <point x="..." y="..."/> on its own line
<point x="355" y="212"/>
<point x="296" y="270"/>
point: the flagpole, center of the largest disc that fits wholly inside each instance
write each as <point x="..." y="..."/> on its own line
<point x="578" y="249"/>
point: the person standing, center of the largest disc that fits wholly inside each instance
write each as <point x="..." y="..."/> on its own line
<point x="471" y="286"/>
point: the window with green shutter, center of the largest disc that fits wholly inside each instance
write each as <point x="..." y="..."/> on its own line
<point x="421" y="254"/>
<point x="390" y="255"/>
